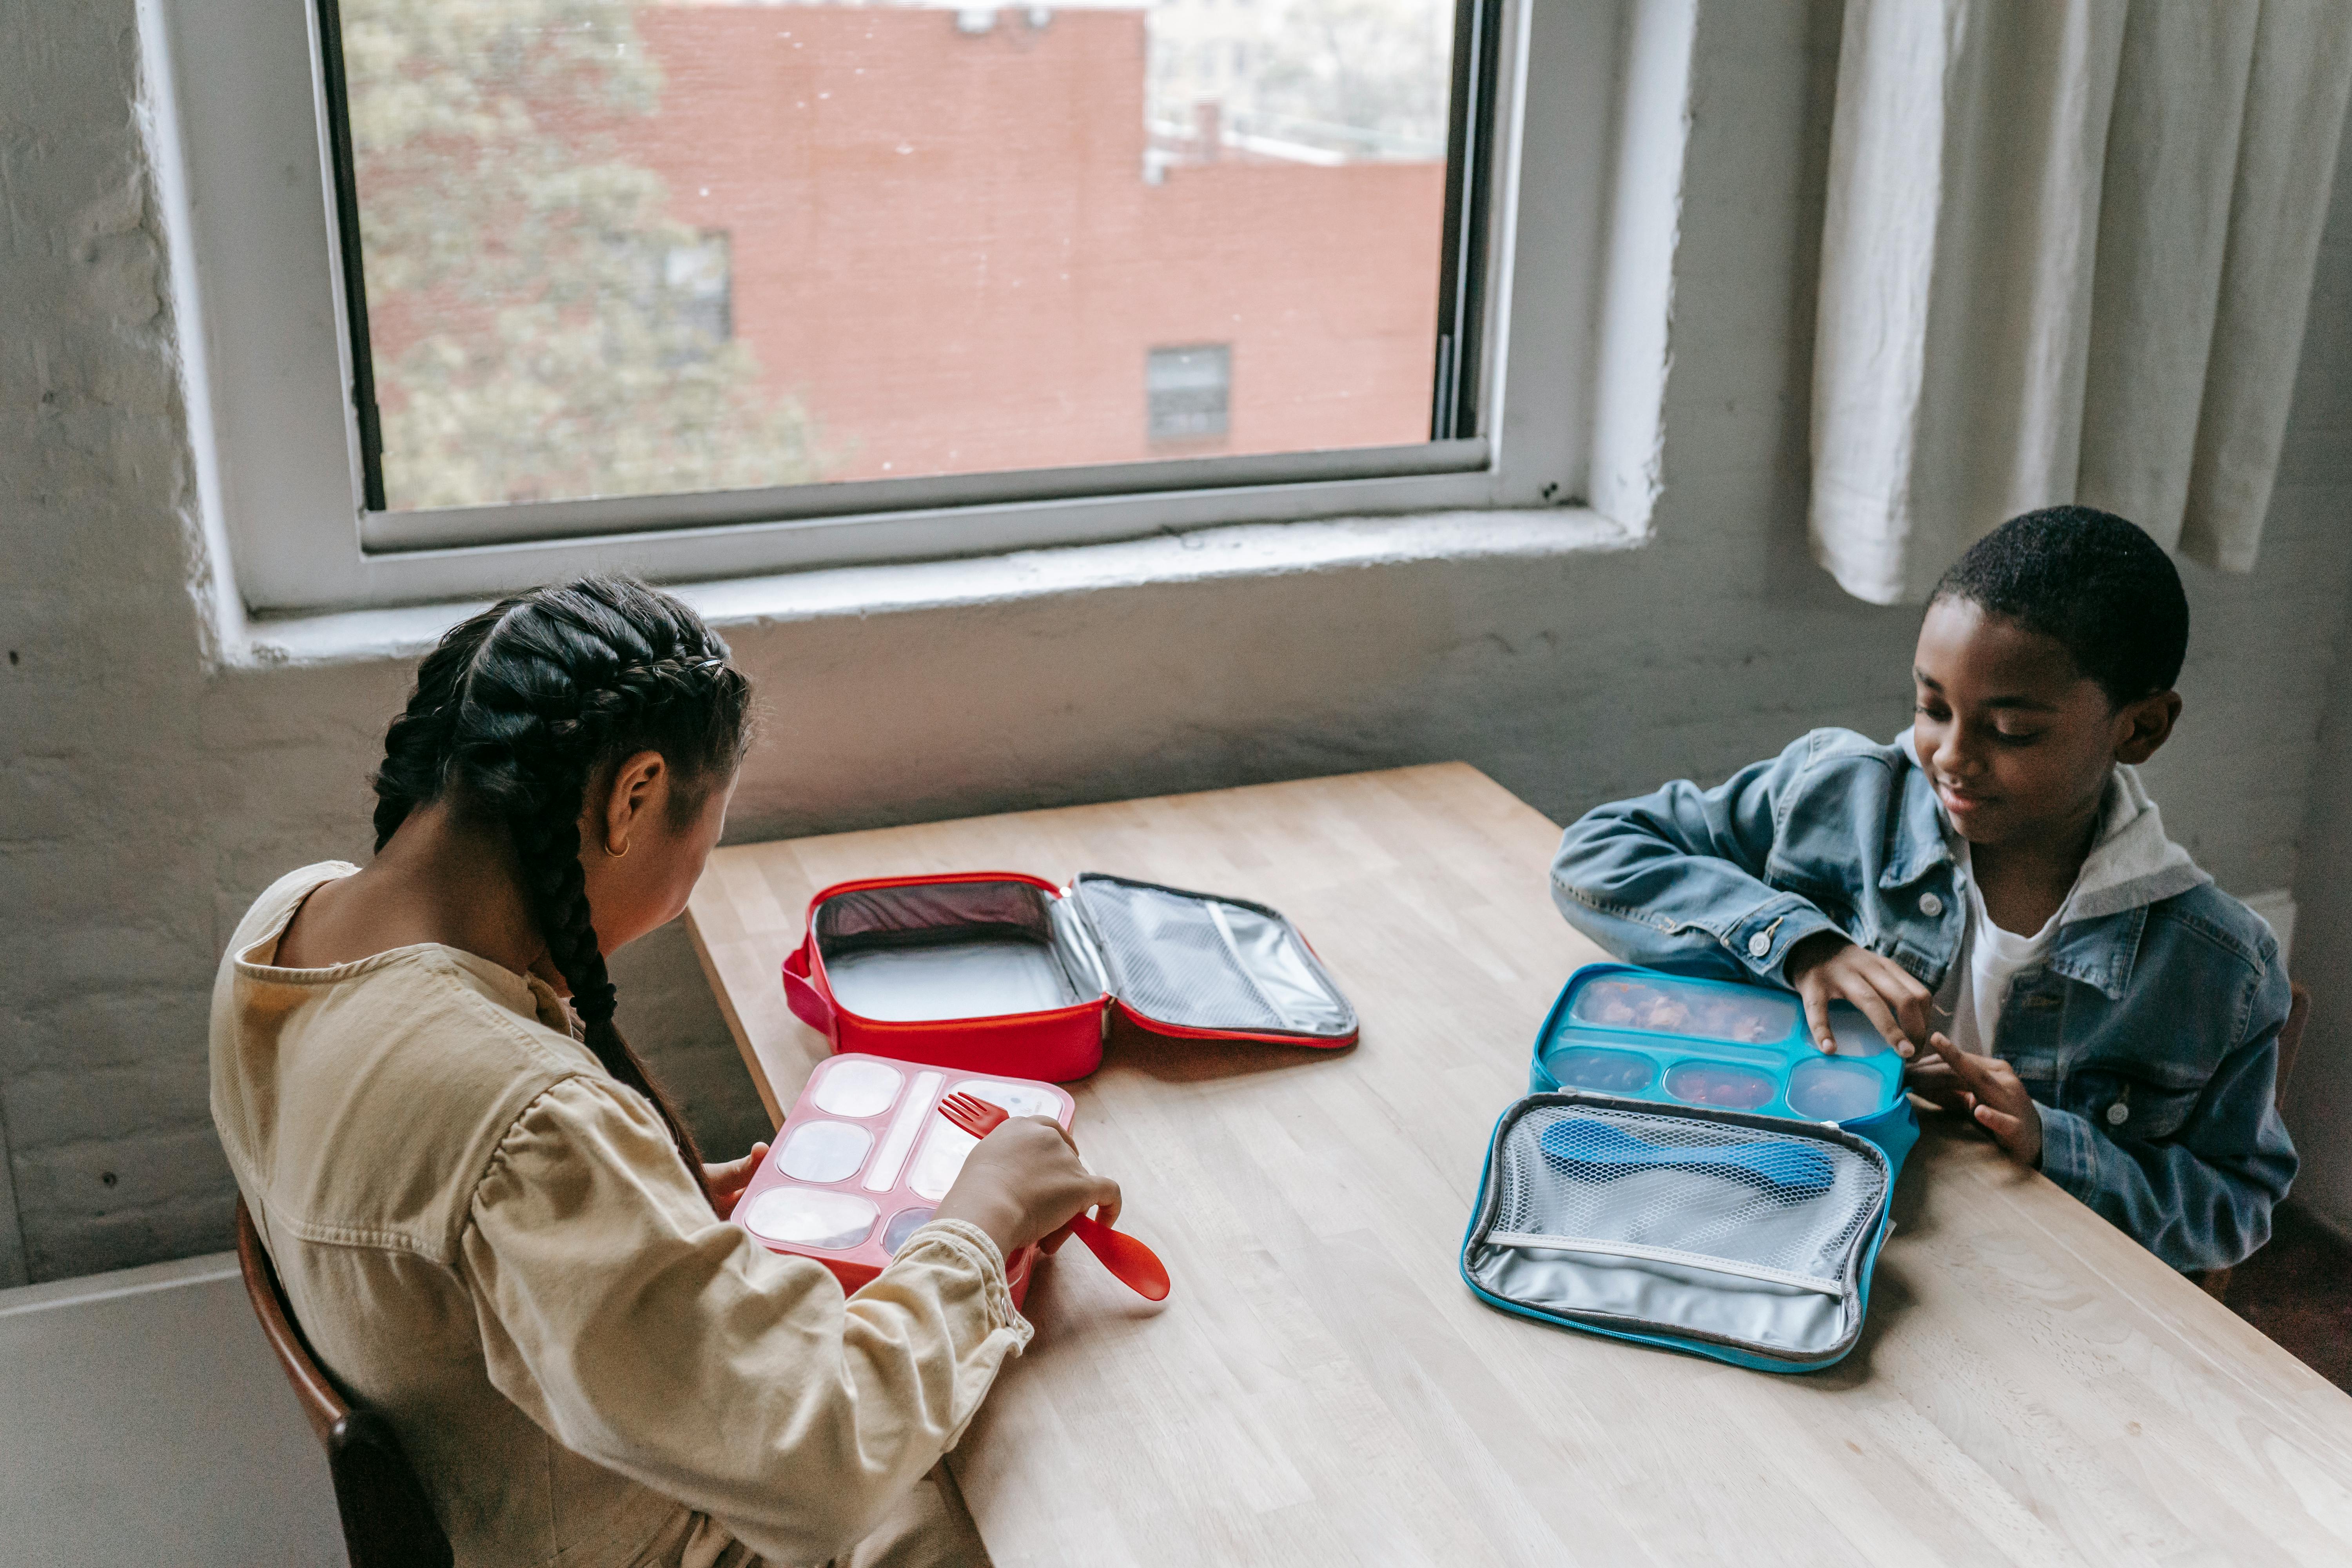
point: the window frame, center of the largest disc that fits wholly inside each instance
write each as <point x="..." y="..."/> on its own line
<point x="273" y="373"/>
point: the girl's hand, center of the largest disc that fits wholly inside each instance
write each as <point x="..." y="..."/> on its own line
<point x="1024" y="1181"/>
<point x="727" y="1181"/>
<point x="1827" y="967"/>
<point x="1987" y="1088"/>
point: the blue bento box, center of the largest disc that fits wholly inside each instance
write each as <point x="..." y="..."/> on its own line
<point x="1689" y="1170"/>
<point x="1677" y="1039"/>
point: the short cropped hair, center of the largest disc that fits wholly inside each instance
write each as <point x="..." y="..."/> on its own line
<point x="2104" y="589"/>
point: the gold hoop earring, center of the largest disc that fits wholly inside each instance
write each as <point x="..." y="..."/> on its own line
<point x="613" y="854"/>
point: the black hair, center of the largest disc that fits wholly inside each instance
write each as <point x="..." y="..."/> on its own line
<point x="2106" y="591"/>
<point x="520" y="708"/>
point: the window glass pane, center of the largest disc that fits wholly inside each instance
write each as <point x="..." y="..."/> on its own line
<point x="627" y="248"/>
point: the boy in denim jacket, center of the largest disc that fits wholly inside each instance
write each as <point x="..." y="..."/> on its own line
<point x="1996" y="891"/>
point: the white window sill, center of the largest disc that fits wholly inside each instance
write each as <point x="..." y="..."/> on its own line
<point x="1248" y="550"/>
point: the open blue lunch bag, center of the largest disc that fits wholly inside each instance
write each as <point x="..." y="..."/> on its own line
<point x="1690" y="1170"/>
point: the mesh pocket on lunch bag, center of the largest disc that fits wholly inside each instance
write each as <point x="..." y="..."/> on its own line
<point x="1205" y="962"/>
<point x="1678" y="1222"/>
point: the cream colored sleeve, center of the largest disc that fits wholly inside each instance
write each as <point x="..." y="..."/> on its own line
<point x="665" y="1344"/>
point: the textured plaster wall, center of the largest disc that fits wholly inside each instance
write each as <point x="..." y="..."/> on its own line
<point x="143" y="802"/>
<point x="2319" y="1096"/>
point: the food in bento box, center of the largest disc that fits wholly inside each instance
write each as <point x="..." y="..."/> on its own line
<point x="1602" y="1070"/>
<point x="1662" y="1007"/>
<point x="1718" y="1084"/>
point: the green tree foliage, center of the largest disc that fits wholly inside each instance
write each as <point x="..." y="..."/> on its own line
<point x="543" y="330"/>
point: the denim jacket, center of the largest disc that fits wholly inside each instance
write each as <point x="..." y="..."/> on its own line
<point x="2148" y="1038"/>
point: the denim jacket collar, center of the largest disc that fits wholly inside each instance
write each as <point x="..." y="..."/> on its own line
<point x="1920" y="846"/>
<point x="2132" y="865"/>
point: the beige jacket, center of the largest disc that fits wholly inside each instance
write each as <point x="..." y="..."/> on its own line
<point x="493" y="1243"/>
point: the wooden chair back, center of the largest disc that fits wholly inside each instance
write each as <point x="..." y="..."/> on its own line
<point x="2298" y="1012"/>
<point x="388" y="1521"/>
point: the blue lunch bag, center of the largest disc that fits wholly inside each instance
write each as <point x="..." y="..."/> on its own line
<point x="1690" y="1170"/>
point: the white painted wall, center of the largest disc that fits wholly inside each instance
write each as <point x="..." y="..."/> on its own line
<point x="2319" y="1096"/>
<point x="143" y="801"/>
<point x="144" y="1421"/>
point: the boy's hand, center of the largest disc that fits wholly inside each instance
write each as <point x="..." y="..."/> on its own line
<point x="1826" y="967"/>
<point x="1986" y="1090"/>
<point x="727" y="1179"/>
<point x="1932" y="1079"/>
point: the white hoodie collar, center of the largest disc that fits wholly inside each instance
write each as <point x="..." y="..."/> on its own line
<point x="2131" y="863"/>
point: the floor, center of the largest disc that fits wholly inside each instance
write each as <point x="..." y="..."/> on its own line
<point x="142" y="1420"/>
<point x="2298" y="1290"/>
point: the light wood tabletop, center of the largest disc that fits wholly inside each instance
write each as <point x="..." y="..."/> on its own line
<point x="2032" y="1387"/>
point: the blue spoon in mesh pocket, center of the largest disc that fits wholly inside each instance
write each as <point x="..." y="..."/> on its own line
<point x="1596" y="1151"/>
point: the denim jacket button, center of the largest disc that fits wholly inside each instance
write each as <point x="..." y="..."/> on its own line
<point x="1758" y="945"/>
<point x="2118" y="1114"/>
<point x="1930" y="905"/>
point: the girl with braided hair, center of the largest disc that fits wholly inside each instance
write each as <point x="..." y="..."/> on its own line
<point x="495" y="1229"/>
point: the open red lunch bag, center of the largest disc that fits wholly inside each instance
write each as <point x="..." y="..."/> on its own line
<point x="1004" y="973"/>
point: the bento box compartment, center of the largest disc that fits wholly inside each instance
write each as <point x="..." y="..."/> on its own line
<point x="1602" y="1071"/>
<point x="1690" y="1225"/>
<point x="946" y="950"/>
<point x="1723" y="1084"/>
<point x="904" y="1224"/>
<point x="810" y="1217"/>
<point x="1203" y="962"/>
<point x="1827" y="1089"/>
<point x="1656" y="1004"/>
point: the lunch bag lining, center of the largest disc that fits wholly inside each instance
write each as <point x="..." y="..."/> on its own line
<point x="947" y="950"/>
<point x="1203" y="962"/>
<point x="1678" y="1226"/>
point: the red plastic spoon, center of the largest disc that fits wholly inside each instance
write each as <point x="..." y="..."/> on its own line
<point x="1133" y="1264"/>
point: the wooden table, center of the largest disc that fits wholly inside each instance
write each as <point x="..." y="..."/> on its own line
<point x="2030" y="1388"/>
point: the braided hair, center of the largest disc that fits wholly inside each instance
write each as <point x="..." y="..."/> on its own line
<point x="522" y="708"/>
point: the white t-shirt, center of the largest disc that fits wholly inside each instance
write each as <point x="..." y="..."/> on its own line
<point x="1989" y="962"/>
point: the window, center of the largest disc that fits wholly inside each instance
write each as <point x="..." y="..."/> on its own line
<point x="925" y="199"/>
<point x="1189" y="389"/>
<point x="712" y="286"/>
<point x="697" y="290"/>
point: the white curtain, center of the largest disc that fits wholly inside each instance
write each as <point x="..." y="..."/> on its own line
<point x="2068" y="257"/>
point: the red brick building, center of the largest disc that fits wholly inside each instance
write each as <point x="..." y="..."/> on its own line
<point x="943" y="240"/>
